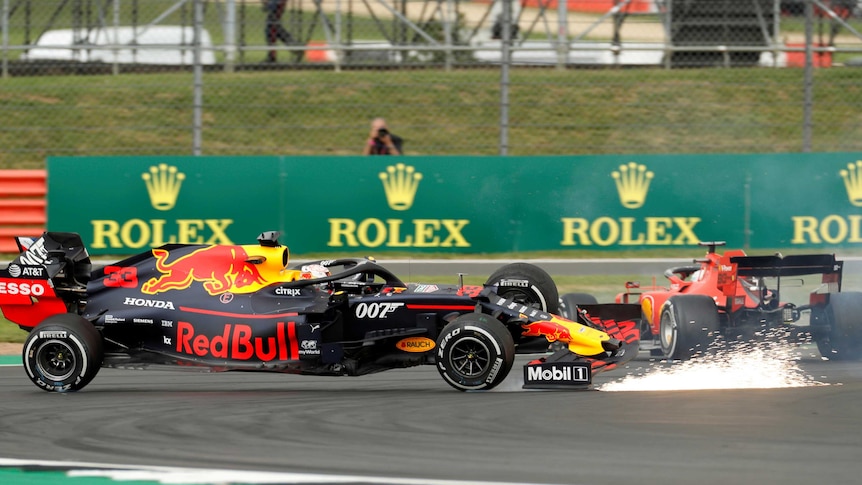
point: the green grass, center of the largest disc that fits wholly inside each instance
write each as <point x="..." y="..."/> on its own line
<point x="443" y="113"/>
<point x="9" y="332"/>
<point x="322" y="112"/>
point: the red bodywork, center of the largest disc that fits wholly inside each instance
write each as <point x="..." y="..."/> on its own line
<point x="717" y="276"/>
<point x="28" y="302"/>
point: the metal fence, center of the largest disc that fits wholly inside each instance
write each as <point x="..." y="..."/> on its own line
<point x="164" y="77"/>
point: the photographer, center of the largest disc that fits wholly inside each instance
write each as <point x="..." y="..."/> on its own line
<point x="381" y="141"/>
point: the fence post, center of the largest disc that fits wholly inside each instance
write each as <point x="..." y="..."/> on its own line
<point x="808" y="83"/>
<point x="506" y="59"/>
<point x="4" y="25"/>
<point x="339" y="53"/>
<point x="198" y="79"/>
<point x="562" y="35"/>
<point x="776" y="30"/>
<point x="229" y="35"/>
<point x="450" y="22"/>
<point x="115" y="67"/>
<point x="668" y="47"/>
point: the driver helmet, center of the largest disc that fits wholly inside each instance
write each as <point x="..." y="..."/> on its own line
<point x="313" y="271"/>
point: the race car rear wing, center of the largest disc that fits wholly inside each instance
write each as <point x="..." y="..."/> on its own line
<point x="62" y="254"/>
<point x="46" y="278"/>
<point x="792" y="265"/>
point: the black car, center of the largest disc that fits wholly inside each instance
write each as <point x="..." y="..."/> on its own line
<point x="243" y="307"/>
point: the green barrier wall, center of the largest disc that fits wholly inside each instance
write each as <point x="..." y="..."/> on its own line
<point x="460" y="204"/>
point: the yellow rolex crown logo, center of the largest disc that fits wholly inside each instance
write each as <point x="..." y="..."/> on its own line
<point x="853" y="182"/>
<point x="163" y="185"/>
<point x="400" y="183"/>
<point x="632" y="184"/>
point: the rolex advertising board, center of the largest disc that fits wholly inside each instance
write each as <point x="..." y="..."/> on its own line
<point x="458" y="205"/>
<point x="806" y="201"/>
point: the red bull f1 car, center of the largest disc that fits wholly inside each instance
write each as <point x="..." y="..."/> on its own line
<point x="736" y="297"/>
<point x="243" y="308"/>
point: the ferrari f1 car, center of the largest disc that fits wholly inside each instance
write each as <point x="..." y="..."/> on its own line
<point x="733" y="296"/>
<point x="243" y="308"/>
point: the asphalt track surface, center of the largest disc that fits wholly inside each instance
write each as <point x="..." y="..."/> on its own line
<point x="409" y="424"/>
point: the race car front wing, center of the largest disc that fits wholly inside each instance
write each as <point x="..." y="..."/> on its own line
<point x="564" y="369"/>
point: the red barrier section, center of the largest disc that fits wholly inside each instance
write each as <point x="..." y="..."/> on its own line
<point x="819" y="59"/>
<point x="22" y="206"/>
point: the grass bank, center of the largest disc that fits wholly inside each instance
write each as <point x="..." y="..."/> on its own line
<point x="741" y="110"/>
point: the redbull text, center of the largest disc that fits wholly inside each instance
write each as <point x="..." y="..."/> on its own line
<point x="238" y="342"/>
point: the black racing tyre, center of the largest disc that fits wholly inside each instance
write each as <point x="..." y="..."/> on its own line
<point x="570" y="301"/>
<point x="689" y="324"/>
<point x="844" y="314"/>
<point x="475" y="352"/>
<point x="63" y="353"/>
<point x="527" y="284"/>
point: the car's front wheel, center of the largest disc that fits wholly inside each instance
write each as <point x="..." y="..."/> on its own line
<point x="475" y="352"/>
<point x="689" y="324"/>
<point x="528" y="284"/>
<point x="63" y="353"/>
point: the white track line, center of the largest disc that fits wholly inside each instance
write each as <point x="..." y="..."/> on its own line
<point x="176" y="475"/>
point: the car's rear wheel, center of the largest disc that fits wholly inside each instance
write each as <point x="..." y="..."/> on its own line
<point x="689" y="324"/>
<point x="528" y="284"/>
<point x="63" y="353"/>
<point x="475" y="352"/>
<point x="844" y="340"/>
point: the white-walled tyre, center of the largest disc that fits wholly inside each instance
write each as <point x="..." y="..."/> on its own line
<point x="475" y="352"/>
<point x="63" y="353"/>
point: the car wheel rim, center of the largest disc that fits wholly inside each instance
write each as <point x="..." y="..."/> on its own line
<point x="470" y="357"/>
<point x="668" y="334"/>
<point x="55" y="360"/>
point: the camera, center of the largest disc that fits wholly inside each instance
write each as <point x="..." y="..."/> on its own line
<point x="382" y="132"/>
